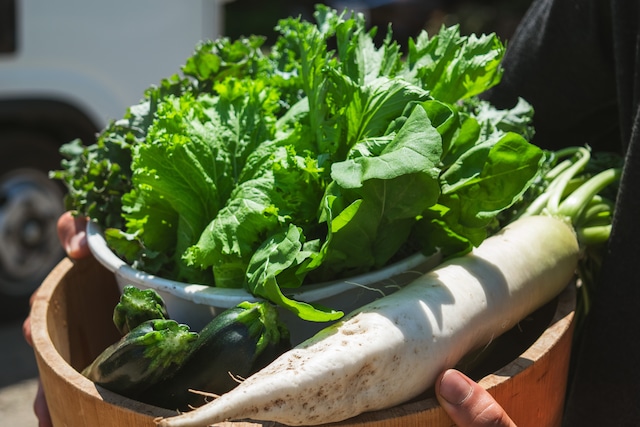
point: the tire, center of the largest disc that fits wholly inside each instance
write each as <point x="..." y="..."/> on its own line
<point x="30" y="205"/>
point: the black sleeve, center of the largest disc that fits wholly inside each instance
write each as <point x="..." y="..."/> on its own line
<point x="605" y="387"/>
<point x="578" y="63"/>
<point x="560" y="60"/>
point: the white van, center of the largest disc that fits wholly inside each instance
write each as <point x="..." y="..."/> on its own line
<point x="68" y="67"/>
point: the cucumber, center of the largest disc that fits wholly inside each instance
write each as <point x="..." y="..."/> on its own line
<point x="137" y="306"/>
<point x="232" y="346"/>
<point x="153" y="350"/>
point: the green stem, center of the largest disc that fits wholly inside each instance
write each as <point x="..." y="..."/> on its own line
<point x="573" y="206"/>
<point x="593" y="235"/>
<point x="561" y="182"/>
<point x="562" y="166"/>
<point x="559" y="176"/>
<point x="537" y="206"/>
<point x="598" y="212"/>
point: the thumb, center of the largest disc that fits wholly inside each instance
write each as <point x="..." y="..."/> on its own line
<point x="467" y="403"/>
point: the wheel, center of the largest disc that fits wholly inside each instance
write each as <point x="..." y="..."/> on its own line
<point x="30" y="205"/>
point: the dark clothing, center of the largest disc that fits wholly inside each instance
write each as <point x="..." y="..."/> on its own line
<point x="578" y="63"/>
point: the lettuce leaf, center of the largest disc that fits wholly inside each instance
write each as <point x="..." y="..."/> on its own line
<point x="322" y="157"/>
<point x="187" y="169"/>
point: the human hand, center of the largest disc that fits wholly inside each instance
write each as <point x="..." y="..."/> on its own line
<point x="467" y="403"/>
<point x="73" y="238"/>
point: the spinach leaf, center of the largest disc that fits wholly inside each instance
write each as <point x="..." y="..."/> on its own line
<point x="277" y="254"/>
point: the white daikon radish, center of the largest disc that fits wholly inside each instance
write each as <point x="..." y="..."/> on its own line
<point x="391" y="350"/>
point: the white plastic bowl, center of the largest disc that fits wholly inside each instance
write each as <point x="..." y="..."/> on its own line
<point x="195" y="304"/>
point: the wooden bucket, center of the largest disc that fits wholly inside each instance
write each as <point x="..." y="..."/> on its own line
<point x="71" y="324"/>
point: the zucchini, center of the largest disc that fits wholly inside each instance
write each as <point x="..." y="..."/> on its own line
<point x="153" y="350"/>
<point x="232" y="346"/>
<point x="137" y="306"/>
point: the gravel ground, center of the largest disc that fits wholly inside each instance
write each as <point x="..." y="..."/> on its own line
<point x="18" y="377"/>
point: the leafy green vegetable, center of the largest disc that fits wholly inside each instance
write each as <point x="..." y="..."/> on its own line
<point x="136" y="306"/>
<point x="323" y="157"/>
<point x="455" y="68"/>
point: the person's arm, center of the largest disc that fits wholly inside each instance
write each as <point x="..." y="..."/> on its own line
<point x="560" y="60"/>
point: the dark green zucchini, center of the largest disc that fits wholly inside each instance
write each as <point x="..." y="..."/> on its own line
<point x="153" y="350"/>
<point x="137" y="306"/>
<point x="232" y="346"/>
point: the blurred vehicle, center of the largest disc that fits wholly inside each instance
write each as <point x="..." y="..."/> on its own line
<point x="68" y="67"/>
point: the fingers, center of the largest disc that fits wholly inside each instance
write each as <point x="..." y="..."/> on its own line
<point x="73" y="235"/>
<point x="26" y="331"/>
<point x="467" y="403"/>
<point x="41" y="410"/>
<point x="26" y="325"/>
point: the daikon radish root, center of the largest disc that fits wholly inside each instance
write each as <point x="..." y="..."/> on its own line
<point x="391" y="350"/>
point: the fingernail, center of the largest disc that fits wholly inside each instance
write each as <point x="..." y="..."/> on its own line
<point x="454" y="387"/>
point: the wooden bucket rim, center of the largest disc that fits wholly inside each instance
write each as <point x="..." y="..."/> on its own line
<point x="561" y="322"/>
